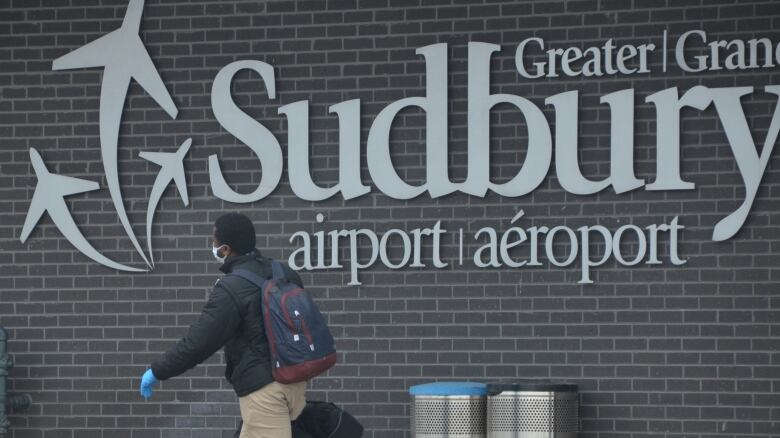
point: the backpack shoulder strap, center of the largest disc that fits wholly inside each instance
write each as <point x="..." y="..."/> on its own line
<point x="233" y="297"/>
<point x="250" y="276"/>
<point x="277" y="270"/>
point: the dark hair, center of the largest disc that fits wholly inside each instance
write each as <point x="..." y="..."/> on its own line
<point x="236" y="230"/>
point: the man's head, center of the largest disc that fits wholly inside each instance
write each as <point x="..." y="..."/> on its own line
<point x="234" y="234"/>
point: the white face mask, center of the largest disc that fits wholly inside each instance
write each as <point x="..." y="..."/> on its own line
<point x="215" y="251"/>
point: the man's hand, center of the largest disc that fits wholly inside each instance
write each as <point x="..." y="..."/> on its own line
<point x="147" y="381"/>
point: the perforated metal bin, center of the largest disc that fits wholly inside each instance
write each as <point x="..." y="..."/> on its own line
<point x="449" y="410"/>
<point x="532" y="409"/>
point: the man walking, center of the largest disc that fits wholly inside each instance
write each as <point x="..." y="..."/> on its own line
<point x="232" y="319"/>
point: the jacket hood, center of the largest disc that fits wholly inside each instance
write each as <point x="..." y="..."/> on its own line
<point x="233" y="261"/>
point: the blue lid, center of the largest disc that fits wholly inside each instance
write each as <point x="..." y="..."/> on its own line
<point x="449" y="388"/>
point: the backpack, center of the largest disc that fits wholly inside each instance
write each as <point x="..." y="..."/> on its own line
<point x="301" y="344"/>
<point x="326" y="420"/>
<point x="322" y="420"/>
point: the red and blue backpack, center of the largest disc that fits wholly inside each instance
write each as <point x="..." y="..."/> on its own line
<point x="301" y="344"/>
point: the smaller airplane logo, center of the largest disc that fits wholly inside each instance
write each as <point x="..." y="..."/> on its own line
<point x="171" y="169"/>
<point x="123" y="57"/>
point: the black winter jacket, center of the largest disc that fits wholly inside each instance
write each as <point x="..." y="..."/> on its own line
<point x="231" y="318"/>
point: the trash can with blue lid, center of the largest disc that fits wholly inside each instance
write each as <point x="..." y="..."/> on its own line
<point x="449" y="410"/>
<point x="532" y="409"/>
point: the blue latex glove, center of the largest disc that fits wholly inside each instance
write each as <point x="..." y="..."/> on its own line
<point x="147" y="381"/>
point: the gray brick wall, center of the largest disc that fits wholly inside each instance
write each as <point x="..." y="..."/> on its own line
<point x="689" y="351"/>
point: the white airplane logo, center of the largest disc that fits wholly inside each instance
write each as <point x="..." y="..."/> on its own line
<point x="123" y="57"/>
<point x="49" y="197"/>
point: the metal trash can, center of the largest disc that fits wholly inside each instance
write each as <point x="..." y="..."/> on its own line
<point x="532" y="409"/>
<point x="449" y="410"/>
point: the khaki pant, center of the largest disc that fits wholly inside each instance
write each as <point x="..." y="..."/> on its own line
<point x="267" y="412"/>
